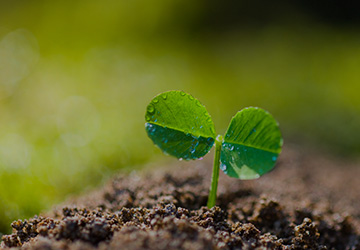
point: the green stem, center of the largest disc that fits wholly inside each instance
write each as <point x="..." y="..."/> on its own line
<point x="215" y="174"/>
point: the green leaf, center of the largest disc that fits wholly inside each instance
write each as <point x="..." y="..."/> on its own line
<point x="180" y="125"/>
<point x="251" y="145"/>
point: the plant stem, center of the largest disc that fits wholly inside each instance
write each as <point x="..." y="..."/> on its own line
<point x="215" y="174"/>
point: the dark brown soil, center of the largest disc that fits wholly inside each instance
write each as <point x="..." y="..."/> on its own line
<point x="307" y="202"/>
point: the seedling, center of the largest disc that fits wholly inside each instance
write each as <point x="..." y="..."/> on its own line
<point x="181" y="126"/>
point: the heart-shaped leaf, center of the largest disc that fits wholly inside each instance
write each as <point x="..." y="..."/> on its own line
<point x="251" y="144"/>
<point x="180" y="125"/>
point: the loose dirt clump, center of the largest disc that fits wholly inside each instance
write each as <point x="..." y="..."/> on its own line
<point x="308" y="202"/>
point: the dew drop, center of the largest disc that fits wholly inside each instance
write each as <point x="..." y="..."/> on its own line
<point x="232" y="148"/>
<point x="147" y="117"/>
<point x="164" y="96"/>
<point x="182" y="93"/>
<point x="191" y="97"/>
<point x="223" y="167"/>
<point x="274" y="158"/>
<point x="155" y="100"/>
<point x="151" y="128"/>
<point x="151" y="109"/>
<point x="180" y="159"/>
<point x="201" y="126"/>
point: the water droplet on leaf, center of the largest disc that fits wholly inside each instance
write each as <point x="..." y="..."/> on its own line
<point x="198" y="104"/>
<point x="151" y="109"/>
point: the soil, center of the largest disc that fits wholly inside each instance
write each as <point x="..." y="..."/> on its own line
<point x="307" y="202"/>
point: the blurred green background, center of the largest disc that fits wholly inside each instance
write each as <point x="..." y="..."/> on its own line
<point x="76" y="76"/>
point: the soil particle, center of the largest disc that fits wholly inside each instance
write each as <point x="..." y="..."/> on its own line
<point x="294" y="207"/>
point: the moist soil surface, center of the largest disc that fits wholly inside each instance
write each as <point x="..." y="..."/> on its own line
<point x="307" y="202"/>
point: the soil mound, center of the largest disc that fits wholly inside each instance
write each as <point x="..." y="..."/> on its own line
<point x="307" y="202"/>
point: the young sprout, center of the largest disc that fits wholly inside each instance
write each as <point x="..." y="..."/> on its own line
<point x="181" y="126"/>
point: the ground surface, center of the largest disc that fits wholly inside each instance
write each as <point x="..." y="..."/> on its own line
<point x="307" y="202"/>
